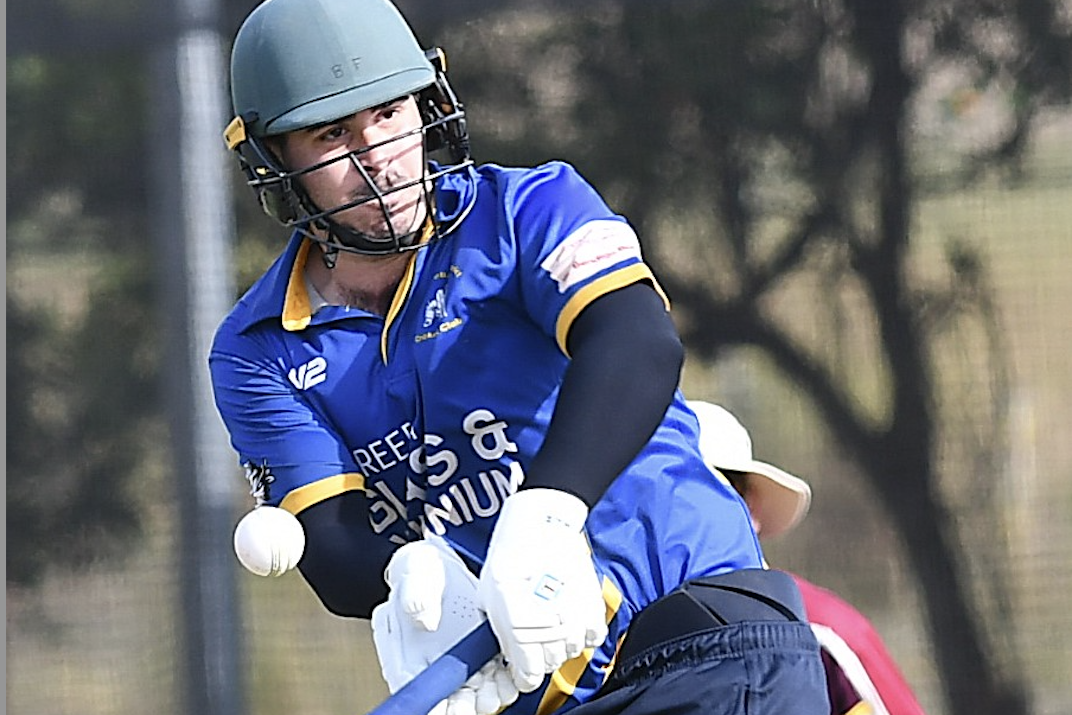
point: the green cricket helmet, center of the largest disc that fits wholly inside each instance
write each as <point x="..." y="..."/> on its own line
<point x="304" y="63"/>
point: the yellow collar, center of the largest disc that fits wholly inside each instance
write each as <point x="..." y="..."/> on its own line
<point x="297" y="309"/>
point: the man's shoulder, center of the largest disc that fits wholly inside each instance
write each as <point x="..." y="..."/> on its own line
<point x="541" y="193"/>
<point x="506" y="176"/>
<point x="509" y="187"/>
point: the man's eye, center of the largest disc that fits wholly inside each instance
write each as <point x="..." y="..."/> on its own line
<point x="332" y="133"/>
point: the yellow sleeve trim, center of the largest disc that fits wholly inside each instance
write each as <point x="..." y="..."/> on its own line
<point x="297" y="309"/>
<point x="601" y="286"/>
<point x="302" y="498"/>
<point x="564" y="680"/>
<point x="861" y="708"/>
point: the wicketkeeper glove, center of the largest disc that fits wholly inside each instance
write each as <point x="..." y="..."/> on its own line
<point x="539" y="585"/>
<point x="432" y="604"/>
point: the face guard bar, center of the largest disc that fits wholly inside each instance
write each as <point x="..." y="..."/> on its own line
<point x="282" y="197"/>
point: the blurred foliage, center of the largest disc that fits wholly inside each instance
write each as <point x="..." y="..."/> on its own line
<point x="80" y="403"/>
<point x="78" y="126"/>
<point x="82" y="371"/>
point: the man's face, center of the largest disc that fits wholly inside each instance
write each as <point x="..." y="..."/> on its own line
<point x="394" y="163"/>
<point x="741" y="481"/>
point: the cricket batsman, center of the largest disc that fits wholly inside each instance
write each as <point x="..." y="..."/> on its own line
<point x="461" y="379"/>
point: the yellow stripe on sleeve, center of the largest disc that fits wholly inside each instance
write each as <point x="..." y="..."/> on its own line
<point x="302" y="498"/>
<point x="601" y="286"/>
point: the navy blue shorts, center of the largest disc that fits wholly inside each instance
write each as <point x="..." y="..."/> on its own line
<point x="768" y="664"/>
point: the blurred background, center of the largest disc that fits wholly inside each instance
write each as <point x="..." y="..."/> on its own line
<point x="861" y="211"/>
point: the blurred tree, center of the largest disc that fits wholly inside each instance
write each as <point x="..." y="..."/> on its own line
<point x="29" y="442"/>
<point x="82" y="400"/>
<point x="80" y="405"/>
<point x="770" y="155"/>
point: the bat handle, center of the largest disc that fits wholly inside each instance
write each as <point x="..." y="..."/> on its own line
<point x="444" y="676"/>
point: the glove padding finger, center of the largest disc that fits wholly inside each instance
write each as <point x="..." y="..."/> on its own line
<point x="432" y="604"/>
<point x="417" y="577"/>
<point x="489" y="690"/>
<point x="499" y="690"/>
<point x="539" y="585"/>
<point x="463" y="700"/>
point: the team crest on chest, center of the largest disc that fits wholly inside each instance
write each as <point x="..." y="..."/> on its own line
<point x="436" y="319"/>
<point x="435" y="310"/>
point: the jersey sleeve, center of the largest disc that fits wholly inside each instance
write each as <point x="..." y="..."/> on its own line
<point x="291" y="458"/>
<point x="572" y="247"/>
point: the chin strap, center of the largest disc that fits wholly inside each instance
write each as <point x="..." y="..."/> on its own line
<point x="330" y="256"/>
<point x="334" y="243"/>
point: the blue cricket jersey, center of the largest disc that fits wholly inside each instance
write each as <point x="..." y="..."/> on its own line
<point x="425" y="409"/>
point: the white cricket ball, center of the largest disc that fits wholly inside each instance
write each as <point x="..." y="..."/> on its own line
<point x="269" y="541"/>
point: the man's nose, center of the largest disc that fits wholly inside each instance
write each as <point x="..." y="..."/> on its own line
<point x="375" y="150"/>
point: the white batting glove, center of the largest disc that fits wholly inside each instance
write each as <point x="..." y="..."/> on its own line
<point x="433" y="604"/>
<point x="539" y="585"/>
<point x="487" y="692"/>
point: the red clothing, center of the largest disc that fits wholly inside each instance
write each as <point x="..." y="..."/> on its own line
<point x="854" y="651"/>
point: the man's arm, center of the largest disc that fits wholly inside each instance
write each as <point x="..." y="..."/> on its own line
<point x="626" y="360"/>
<point x="539" y="584"/>
<point x="344" y="561"/>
